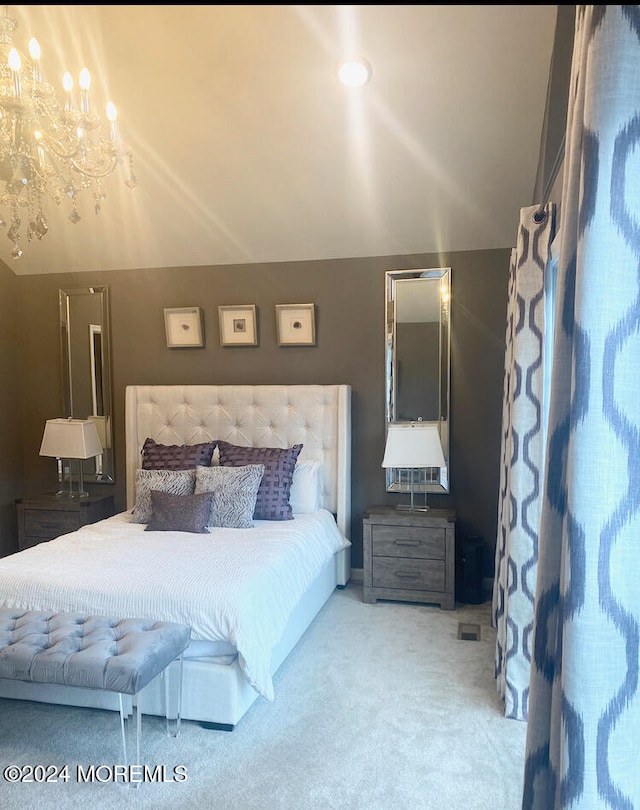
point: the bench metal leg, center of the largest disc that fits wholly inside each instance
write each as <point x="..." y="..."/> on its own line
<point x="122" y="730"/>
<point x="173" y="696"/>
<point x="172" y="708"/>
<point x="138" y="712"/>
<point x="138" y="727"/>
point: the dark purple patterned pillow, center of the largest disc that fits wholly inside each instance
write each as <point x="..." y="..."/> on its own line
<point x="179" y="513"/>
<point x="176" y="456"/>
<point x="272" y="502"/>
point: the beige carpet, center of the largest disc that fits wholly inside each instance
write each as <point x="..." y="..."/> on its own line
<point x="379" y="707"/>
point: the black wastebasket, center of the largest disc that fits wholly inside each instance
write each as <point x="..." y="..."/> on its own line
<point x="469" y="570"/>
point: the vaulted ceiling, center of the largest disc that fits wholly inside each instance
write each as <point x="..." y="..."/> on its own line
<point x="248" y="149"/>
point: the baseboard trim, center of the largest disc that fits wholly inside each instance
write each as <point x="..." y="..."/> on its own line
<point x="357" y="575"/>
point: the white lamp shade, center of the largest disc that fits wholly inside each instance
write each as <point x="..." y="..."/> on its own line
<point x="70" y="438"/>
<point x="413" y="444"/>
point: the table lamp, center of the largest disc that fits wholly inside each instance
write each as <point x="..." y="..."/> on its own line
<point x="413" y="446"/>
<point x="73" y="439"/>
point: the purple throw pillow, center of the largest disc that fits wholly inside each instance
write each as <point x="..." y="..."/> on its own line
<point x="272" y="502"/>
<point x="179" y="513"/>
<point x="176" y="456"/>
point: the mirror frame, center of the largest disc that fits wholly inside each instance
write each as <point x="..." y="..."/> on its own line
<point x="99" y="470"/>
<point x="436" y="479"/>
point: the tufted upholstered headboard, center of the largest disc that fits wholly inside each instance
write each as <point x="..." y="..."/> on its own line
<point x="316" y="416"/>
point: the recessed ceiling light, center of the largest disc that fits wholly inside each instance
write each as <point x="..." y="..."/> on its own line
<point x="354" y="72"/>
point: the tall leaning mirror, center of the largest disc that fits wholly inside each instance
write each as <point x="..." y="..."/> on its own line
<point x="86" y="370"/>
<point x="417" y="363"/>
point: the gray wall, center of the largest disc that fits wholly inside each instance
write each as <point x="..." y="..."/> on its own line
<point x="10" y="411"/>
<point x="349" y="298"/>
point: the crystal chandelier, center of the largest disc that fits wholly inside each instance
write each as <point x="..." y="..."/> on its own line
<point x="48" y="151"/>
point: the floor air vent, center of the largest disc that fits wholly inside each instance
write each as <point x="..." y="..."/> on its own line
<point x="468" y="632"/>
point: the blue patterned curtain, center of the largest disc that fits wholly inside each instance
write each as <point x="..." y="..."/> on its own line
<point x="583" y="731"/>
<point x="524" y="418"/>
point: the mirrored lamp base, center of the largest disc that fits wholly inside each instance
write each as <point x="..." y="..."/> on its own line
<point x="78" y="480"/>
<point x="65" y="493"/>
<point x="407" y="507"/>
<point x="412" y="506"/>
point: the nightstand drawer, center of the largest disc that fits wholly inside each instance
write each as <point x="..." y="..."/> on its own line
<point x="409" y="541"/>
<point x="49" y="523"/>
<point x="420" y="575"/>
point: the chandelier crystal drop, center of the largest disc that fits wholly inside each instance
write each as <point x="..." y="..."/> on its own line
<point x="47" y="150"/>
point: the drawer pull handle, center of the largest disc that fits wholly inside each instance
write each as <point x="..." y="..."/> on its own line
<point x="407" y="542"/>
<point x="407" y="575"/>
<point x="46" y="525"/>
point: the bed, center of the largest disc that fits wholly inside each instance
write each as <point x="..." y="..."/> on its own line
<point x="248" y="592"/>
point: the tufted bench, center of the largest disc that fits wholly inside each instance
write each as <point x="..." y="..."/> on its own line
<point x="96" y="652"/>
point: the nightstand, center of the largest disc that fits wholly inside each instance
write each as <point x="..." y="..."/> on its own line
<point x="45" y="517"/>
<point x="409" y="556"/>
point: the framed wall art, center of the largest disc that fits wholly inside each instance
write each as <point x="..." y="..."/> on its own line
<point x="238" y="325"/>
<point x="183" y="326"/>
<point x="296" y="324"/>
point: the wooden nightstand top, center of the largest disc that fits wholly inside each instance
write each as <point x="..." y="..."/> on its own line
<point x="399" y="517"/>
<point x="49" y="500"/>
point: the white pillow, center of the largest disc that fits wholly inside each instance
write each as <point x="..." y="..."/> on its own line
<point x="306" y="487"/>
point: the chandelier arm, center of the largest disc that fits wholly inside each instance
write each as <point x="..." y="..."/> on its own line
<point x="57" y="149"/>
<point x="95" y="173"/>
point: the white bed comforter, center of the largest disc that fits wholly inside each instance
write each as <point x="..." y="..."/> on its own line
<point x="236" y="585"/>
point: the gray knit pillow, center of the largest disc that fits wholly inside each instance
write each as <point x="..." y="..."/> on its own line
<point x="234" y="491"/>
<point x="179" y="482"/>
<point x="179" y="513"/>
